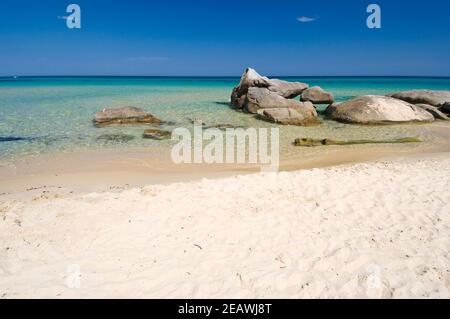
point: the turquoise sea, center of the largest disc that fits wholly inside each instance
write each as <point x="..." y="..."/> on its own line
<point x="54" y="114"/>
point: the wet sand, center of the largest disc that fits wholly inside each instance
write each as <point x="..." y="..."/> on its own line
<point x="106" y="170"/>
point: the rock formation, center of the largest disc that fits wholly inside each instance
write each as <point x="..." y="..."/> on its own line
<point x="290" y="116"/>
<point x="430" y="97"/>
<point x="317" y="95"/>
<point x="439" y="115"/>
<point x="257" y="93"/>
<point x="124" y="115"/>
<point x="156" y="134"/>
<point x="374" y="109"/>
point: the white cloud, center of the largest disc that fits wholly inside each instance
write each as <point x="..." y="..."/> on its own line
<point x="305" y="19"/>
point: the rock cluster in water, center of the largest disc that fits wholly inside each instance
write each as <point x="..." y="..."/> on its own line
<point x="275" y="101"/>
<point x="293" y="103"/>
<point x="128" y="115"/>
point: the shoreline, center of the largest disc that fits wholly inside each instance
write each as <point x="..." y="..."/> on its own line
<point x="82" y="172"/>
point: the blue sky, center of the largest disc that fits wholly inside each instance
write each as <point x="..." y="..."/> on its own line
<point x="221" y="38"/>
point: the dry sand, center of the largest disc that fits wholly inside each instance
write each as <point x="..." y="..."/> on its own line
<point x="377" y="230"/>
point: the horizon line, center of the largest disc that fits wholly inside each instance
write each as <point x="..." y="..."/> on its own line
<point x="218" y="76"/>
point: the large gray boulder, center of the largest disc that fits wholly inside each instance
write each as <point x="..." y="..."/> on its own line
<point x="124" y="115"/>
<point x="262" y="98"/>
<point x="288" y="90"/>
<point x="249" y="79"/>
<point x="430" y="97"/>
<point x="252" y="79"/>
<point x="374" y="109"/>
<point x="290" y="116"/>
<point x="317" y="95"/>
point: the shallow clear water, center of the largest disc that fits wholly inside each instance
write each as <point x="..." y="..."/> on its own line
<point x="55" y="114"/>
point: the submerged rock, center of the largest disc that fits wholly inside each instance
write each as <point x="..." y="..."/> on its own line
<point x="115" y="138"/>
<point x="124" y="115"/>
<point x="156" y="134"/>
<point x="309" y="142"/>
<point x="196" y="121"/>
<point x="317" y="95"/>
<point x="169" y="123"/>
<point x="434" y="111"/>
<point x="12" y="139"/>
<point x="430" y="97"/>
<point x="374" y="109"/>
<point x="306" y="115"/>
<point x="222" y="126"/>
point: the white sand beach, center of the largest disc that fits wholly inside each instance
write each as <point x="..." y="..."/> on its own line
<point x="201" y="157"/>
<point x="372" y="230"/>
